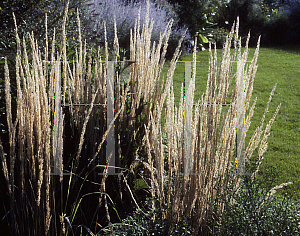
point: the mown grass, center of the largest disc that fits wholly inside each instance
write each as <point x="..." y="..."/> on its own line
<point x="280" y="64"/>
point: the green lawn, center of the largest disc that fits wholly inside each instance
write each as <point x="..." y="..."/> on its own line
<point x="274" y="64"/>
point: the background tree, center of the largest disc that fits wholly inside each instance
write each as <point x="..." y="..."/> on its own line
<point x="198" y="16"/>
<point x="276" y="21"/>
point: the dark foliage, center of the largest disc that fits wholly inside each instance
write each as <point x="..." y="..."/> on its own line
<point x="276" y="21"/>
<point x="30" y="17"/>
<point x="197" y="16"/>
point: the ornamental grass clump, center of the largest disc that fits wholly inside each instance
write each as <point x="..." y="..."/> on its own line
<point x="194" y="162"/>
<point x="30" y="142"/>
<point x="255" y="211"/>
<point x="182" y="163"/>
<point x="56" y="123"/>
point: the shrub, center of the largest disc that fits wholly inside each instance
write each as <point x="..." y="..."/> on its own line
<point x="276" y="21"/>
<point x="252" y="210"/>
<point x="126" y="14"/>
<point x="197" y="16"/>
<point x="250" y="14"/>
<point x="293" y="9"/>
<point x="150" y="222"/>
<point x="219" y="36"/>
<point x="191" y="13"/>
<point x="30" y="17"/>
<point x="276" y="30"/>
